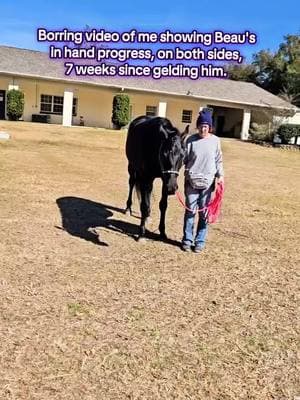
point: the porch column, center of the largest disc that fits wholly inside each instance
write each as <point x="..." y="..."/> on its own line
<point x="162" y="109"/>
<point x="68" y="106"/>
<point x="245" y="124"/>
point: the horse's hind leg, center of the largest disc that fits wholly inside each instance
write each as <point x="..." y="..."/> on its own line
<point x="131" y="186"/>
<point x="146" y="189"/>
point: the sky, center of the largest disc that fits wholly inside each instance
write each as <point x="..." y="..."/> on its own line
<point x="270" y="21"/>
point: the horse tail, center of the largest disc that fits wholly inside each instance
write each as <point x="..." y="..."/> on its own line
<point x="138" y="191"/>
<point x="134" y="182"/>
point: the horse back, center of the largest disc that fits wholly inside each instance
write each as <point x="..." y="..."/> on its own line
<point x="143" y="144"/>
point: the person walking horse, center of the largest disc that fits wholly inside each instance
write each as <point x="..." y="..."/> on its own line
<point x="203" y="164"/>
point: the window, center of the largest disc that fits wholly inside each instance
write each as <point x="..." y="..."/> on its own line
<point x="74" y="108"/>
<point x="151" y="111"/>
<point x="55" y="105"/>
<point x="58" y="104"/>
<point x="46" y="103"/>
<point x="187" y="116"/>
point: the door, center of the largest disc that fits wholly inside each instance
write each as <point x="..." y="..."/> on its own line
<point x="220" y="125"/>
<point x="2" y="104"/>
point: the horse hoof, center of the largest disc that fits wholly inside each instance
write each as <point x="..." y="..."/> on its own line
<point x="141" y="239"/>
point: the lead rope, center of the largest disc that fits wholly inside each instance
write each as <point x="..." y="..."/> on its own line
<point x="181" y="201"/>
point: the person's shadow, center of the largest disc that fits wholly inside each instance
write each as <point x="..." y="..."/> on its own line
<point x="81" y="218"/>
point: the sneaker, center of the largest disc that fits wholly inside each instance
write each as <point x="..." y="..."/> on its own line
<point x="199" y="248"/>
<point x="186" y="247"/>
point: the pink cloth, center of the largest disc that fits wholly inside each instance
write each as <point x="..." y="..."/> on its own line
<point x="214" y="206"/>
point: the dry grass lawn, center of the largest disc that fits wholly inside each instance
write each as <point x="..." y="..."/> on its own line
<point x="89" y="313"/>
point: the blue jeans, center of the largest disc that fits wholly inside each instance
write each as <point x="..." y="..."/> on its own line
<point x="196" y="198"/>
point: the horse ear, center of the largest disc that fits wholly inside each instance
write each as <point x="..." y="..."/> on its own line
<point x="185" y="133"/>
<point x="163" y="132"/>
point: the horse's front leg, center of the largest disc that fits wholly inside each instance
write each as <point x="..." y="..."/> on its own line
<point x="163" y="204"/>
<point x="146" y="189"/>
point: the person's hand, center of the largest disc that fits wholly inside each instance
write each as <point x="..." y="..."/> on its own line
<point x="220" y="179"/>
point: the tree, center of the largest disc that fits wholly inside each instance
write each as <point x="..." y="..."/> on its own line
<point x="15" y="104"/>
<point x="290" y="52"/>
<point x="120" y="112"/>
<point x="243" y="72"/>
<point x="288" y="95"/>
<point x="270" y="69"/>
<point x="278" y="72"/>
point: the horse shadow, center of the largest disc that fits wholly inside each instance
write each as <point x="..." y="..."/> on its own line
<point x="83" y="218"/>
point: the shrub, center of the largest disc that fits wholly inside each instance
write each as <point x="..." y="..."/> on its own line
<point x="120" y="112"/>
<point x="287" y="131"/>
<point x="15" y="104"/>
<point x="261" y="132"/>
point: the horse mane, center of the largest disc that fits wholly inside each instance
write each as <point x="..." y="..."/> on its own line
<point x="167" y="129"/>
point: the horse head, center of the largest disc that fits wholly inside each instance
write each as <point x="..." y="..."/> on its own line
<point x="171" y="155"/>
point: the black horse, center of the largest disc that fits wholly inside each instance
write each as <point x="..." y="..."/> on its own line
<point x="154" y="149"/>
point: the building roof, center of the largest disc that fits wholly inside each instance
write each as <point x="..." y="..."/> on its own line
<point x="37" y="64"/>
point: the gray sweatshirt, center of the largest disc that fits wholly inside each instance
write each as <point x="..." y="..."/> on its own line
<point x="204" y="156"/>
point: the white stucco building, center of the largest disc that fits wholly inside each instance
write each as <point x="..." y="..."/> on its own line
<point x="65" y="99"/>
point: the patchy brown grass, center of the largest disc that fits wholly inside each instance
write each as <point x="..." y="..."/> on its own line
<point x="83" y="318"/>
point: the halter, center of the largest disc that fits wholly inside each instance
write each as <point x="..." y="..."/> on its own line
<point x="170" y="171"/>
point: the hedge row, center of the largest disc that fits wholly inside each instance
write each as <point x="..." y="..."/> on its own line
<point x="287" y="131"/>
